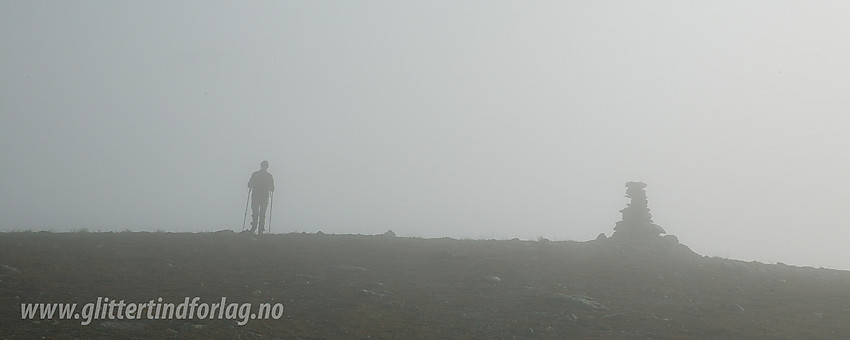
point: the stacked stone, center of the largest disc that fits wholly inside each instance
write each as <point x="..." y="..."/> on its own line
<point x="637" y="221"/>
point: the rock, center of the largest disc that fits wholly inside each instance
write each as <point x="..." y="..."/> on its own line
<point x="601" y="237"/>
<point x="635" y="185"/>
<point x="488" y="279"/>
<point x="4" y="269"/>
<point x="389" y="233"/>
<point x="580" y="301"/>
<point x="671" y="239"/>
<point x="350" y="268"/>
<point x="378" y="293"/>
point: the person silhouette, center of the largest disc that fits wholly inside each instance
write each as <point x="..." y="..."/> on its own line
<point x="261" y="184"/>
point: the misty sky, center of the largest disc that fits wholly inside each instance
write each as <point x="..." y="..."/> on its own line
<point x="466" y="119"/>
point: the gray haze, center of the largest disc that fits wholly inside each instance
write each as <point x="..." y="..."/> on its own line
<point x="479" y="119"/>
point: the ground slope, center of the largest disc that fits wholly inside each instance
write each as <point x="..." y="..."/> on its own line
<point x="357" y="287"/>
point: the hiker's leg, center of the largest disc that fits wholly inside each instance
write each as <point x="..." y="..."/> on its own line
<point x="255" y="214"/>
<point x="263" y="208"/>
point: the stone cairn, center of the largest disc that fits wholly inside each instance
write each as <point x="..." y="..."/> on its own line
<point x="637" y="221"/>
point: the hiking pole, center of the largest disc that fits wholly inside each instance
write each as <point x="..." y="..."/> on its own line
<point x="271" y="205"/>
<point x="246" y="209"/>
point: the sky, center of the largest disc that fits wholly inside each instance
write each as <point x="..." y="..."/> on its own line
<point x="463" y="119"/>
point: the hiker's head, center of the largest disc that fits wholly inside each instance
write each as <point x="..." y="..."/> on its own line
<point x="264" y="165"/>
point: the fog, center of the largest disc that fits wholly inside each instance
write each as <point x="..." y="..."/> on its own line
<point x="463" y="119"/>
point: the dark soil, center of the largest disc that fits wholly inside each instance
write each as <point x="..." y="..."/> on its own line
<point x="359" y="287"/>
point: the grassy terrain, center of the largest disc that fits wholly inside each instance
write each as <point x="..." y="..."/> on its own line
<point x="359" y="287"/>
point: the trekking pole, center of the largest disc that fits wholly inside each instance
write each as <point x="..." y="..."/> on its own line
<point x="244" y="218"/>
<point x="271" y="205"/>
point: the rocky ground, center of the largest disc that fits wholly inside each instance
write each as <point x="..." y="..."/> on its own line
<point x="385" y="287"/>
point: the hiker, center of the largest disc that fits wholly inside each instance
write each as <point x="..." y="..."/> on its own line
<point x="261" y="184"/>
